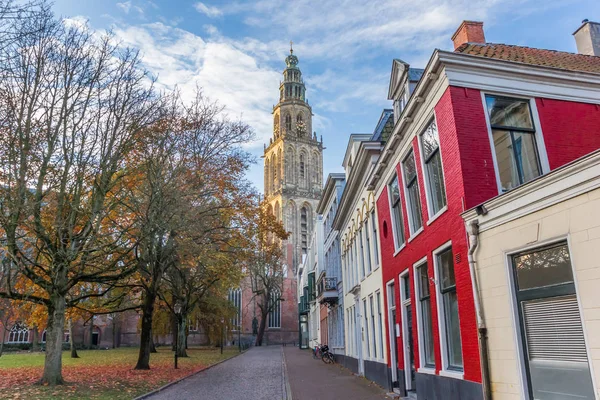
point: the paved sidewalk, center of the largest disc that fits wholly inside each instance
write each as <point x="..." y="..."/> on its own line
<point x="254" y="375"/>
<point x="312" y="379"/>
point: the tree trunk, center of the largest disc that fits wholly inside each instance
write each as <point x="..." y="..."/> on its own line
<point x="152" y="345"/>
<point x="173" y="330"/>
<point x="72" y="342"/>
<point x="3" y="339"/>
<point x="182" y="337"/>
<point x="54" y="335"/>
<point x="91" y="338"/>
<point x="143" y="361"/>
<point x="261" y="328"/>
<point x="35" y="345"/>
<point x="114" y="331"/>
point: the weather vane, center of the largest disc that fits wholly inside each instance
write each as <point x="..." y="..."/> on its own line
<point x="291" y="47"/>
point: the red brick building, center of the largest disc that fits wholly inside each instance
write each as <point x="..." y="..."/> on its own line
<point x="482" y="120"/>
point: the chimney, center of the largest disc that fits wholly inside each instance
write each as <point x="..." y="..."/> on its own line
<point x="587" y="38"/>
<point x="468" y="32"/>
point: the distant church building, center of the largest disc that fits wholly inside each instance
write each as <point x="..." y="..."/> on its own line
<point x="293" y="163"/>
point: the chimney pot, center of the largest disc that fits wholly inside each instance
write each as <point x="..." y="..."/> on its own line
<point x="587" y="38"/>
<point x="468" y="32"/>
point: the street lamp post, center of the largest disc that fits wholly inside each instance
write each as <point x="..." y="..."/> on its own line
<point x="177" y="309"/>
<point x="222" y="333"/>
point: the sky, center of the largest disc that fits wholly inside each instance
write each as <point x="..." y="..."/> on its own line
<point x="235" y="50"/>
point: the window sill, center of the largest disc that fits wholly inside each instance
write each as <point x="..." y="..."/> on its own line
<point x="436" y="216"/>
<point x="425" y="370"/>
<point x="452" y="374"/>
<point x="414" y="235"/>
<point x="399" y="249"/>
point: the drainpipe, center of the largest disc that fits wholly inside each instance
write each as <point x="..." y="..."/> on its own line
<point x="473" y="231"/>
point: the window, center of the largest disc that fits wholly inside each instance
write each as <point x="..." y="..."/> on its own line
<point x="380" y="323"/>
<point x="366" y="328"/>
<point x="412" y="193"/>
<point x="288" y="122"/>
<point x="550" y="324"/>
<point x="275" y="313"/>
<point x="448" y="304"/>
<point x="235" y="298"/>
<point x="434" y="176"/>
<point x="302" y="166"/>
<point x="304" y="229"/>
<point x="514" y="140"/>
<point x="398" y="224"/>
<point x="368" y="241"/>
<point x="424" y="310"/>
<point x="372" y="309"/>
<point x="19" y="333"/>
<point x="375" y="238"/>
<point x="362" y="253"/>
<point x="311" y="287"/>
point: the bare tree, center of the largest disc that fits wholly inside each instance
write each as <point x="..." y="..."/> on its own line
<point x="176" y="169"/>
<point x="266" y="266"/>
<point x="70" y="105"/>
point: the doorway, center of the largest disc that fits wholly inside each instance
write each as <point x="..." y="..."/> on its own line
<point x="407" y="337"/>
<point x="392" y="333"/>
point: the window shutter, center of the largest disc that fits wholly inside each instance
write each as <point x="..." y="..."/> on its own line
<point x="553" y="329"/>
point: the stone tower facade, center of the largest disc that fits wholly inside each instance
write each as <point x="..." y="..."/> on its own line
<point x="293" y="163"/>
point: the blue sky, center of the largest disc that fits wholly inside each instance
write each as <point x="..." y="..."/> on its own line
<point x="235" y="49"/>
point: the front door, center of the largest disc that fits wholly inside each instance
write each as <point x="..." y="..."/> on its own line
<point x="303" y="331"/>
<point x="407" y="337"/>
<point x="392" y="334"/>
<point x="359" y="337"/>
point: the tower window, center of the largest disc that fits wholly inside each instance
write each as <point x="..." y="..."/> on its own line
<point x="288" y="122"/>
<point x="304" y="229"/>
<point x="299" y="118"/>
<point x="302" y="166"/>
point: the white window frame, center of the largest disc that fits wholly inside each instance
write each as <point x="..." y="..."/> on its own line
<point x="537" y="125"/>
<point x="391" y="328"/>
<point x="420" y="329"/>
<point x="380" y="324"/>
<point x="404" y="324"/>
<point x="369" y="255"/>
<point x="375" y="239"/>
<point x="521" y="352"/>
<point x="397" y="247"/>
<point x="365" y="320"/>
<point x="407" y="202"/>
<point x="432" y="217"/>
<point x="444" y="371"/>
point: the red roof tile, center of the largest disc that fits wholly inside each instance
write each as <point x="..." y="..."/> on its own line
<point x="528" y="55"/>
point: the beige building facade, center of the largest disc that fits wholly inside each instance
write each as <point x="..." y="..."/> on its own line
<point x="537" y="275"/>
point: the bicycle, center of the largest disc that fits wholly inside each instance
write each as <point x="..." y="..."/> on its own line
<point x="326" y="355"/>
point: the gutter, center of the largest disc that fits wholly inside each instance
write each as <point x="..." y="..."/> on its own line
<point x="473" y="232"/>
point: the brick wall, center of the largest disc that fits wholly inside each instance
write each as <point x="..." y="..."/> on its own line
<point x="570" y="129"/>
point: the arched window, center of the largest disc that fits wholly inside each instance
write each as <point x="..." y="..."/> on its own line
<point x="276" y="125"/>
<point x="299" y="118"/>
<point x="301" y="166"/>
<point x="277" y="212"/>
<point x="19" y="333"/>
<point x="288" y="122"/>
<point x="304" y="229"/>
<point x="235" y="298"/>
<point x="275" y="172"/>
<point x="275" y="310"/>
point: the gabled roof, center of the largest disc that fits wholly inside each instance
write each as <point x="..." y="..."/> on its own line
<point x="528" y="55"/>
<point x="380" y="129"/>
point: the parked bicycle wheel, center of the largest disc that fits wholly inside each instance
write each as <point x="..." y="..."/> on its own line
<point x="327" y="358"/>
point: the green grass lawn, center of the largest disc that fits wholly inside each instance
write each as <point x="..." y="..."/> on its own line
<point x="100" y="374"/>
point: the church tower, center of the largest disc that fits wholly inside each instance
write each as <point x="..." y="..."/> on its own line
<point x="293" y="163"/>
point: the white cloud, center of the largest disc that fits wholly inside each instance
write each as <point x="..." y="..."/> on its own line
<point x="234" y="78"/>
<point x="209" y="11"/>
<point x="125" y="6"/>
<point x="128" y="6"/>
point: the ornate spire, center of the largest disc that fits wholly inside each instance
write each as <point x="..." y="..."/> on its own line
<point x="291" y="47"/>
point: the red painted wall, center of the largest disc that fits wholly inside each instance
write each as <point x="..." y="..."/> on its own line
<point x="570" y="130"/>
